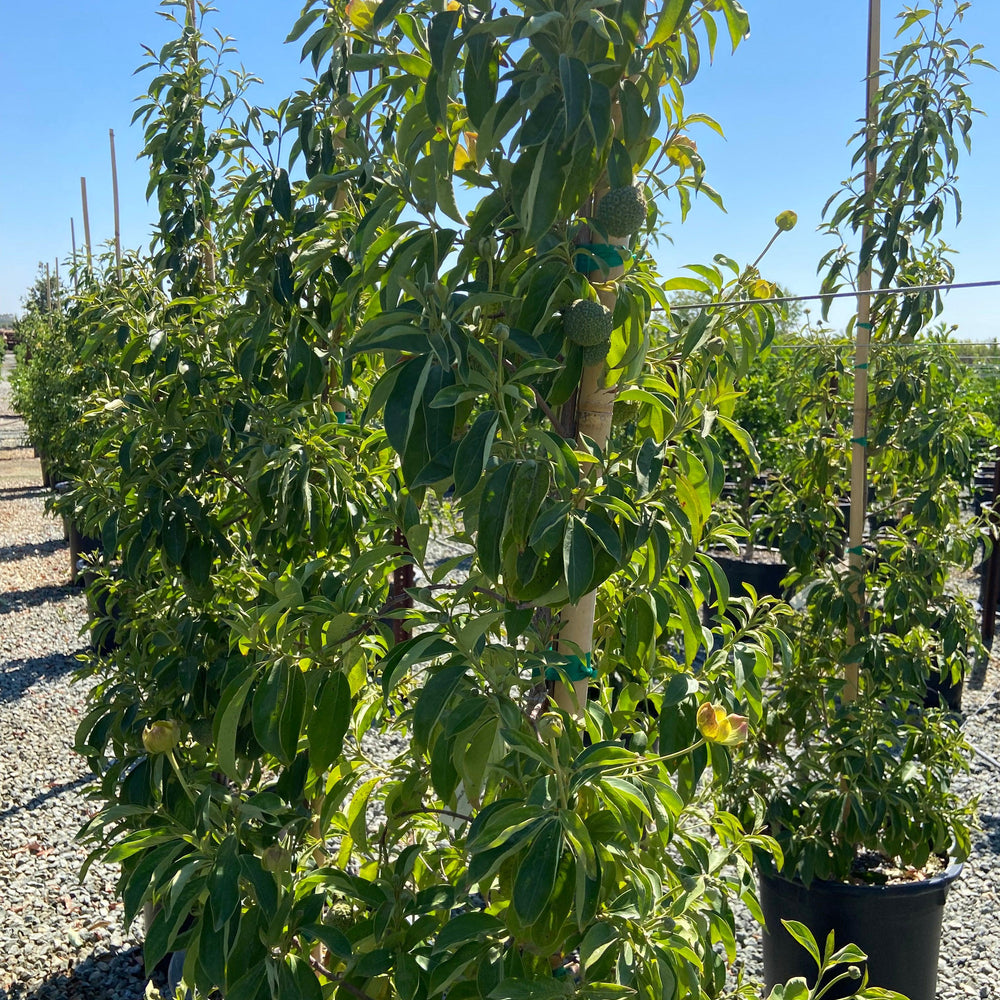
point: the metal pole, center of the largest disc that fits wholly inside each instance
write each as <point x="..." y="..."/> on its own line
<point x="859" y="440"/>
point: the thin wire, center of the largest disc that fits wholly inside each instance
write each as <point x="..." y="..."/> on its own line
<point x="912" y="290"/>
<point x="988" y="360"/>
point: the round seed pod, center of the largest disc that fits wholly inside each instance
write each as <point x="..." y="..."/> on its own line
<point x="622" y="211"/>
<point x="587" y="322"/>
<point x="786" y="220"/>
<point x="161" y="737"/>
<point x="594" y="354"/>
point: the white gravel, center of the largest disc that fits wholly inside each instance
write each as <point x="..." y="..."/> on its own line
<point x="59" y="938"/>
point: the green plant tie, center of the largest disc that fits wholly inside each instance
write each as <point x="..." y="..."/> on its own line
<point x="861" y="367"/>
<point x="341" y="416"/>
<point x="861" y="441"/>
<point x="607" y="254"/>
<point x="857" y="550"/>
<point x="575" y="669"/>
<point x="867" y="326"/>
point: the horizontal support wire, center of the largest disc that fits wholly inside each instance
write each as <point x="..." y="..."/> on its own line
<point x="875" y="293"/>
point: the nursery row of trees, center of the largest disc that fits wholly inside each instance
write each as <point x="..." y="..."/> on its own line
<point x="417" y="298"/>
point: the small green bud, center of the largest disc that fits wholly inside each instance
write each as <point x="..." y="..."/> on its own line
<point x="501" y="331"/>
<point x="853" y="972"/>
<point x="275" y="858"/>
<point x="786" y="221"/>
<point x="550" y="727"/>
<point x="161" y="737"/>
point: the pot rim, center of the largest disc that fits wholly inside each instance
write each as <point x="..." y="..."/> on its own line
<point x="830" y="887"/>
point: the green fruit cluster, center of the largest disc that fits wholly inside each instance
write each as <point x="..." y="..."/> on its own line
<point x="622" y="211"/>
<point x="596" y="353"/>
<point x="587" y="323"/>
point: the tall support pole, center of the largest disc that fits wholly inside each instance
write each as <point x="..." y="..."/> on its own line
<point x="58" y="292"/>
<point x="48" y="289"/>
<point x="114" y="189"/>
<point x="859" y="445"/>
<point x="86" y="222"/>
<point x="594" y="409"/>
<point x="72" y="236"/>
<point x="198" y="178"/>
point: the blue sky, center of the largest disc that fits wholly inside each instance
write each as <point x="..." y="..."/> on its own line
<point x="788" y="101"/>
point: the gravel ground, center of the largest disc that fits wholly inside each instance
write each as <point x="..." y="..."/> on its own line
<point x="63" y="939"/>
<point x="59" y="938"/>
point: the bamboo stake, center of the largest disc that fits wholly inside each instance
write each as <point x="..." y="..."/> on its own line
<point x="72" y="235"/>
<point x="208" y="246"/>
<point x="114" y="188"/>
<point x="48" y="289"/>
<point x="58" y="293"/>
<point x="86" y="221"/>
<point x="859" y="446"/>
<point x="595" y="404"/>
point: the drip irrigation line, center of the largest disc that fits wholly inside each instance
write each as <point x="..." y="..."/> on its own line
<point x="875" y="292"/>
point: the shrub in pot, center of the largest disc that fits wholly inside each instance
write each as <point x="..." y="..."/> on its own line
<point x="853" y="781"/>
<point x="857" y="791"/>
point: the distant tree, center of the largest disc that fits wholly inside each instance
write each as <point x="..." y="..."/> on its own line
<point x="47" y="293"/>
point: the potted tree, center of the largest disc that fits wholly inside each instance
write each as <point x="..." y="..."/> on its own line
<point x="852" y="780"/>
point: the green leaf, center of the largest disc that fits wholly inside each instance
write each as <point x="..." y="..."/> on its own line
<point x="467" y="927"/>
<point x="197" y="561"/>
<point x="578" y="559"/>
<point x="539" y="206"/>
<point x="850" y="953"/>
<point x="281" y="195"/>
<point x="227" y="720"/>
<point x="492" y="516"/>
<point x="224" y="882"/>
<point x="330" y="722"/>
<point x="474" y="451"/>
<point x="432" y="700"/>
<point x="406" y="655"/>
<point x="679" y="688"/>
<point x="671" y="15"/>
<point x="175" y="538"/>
<point x="334" y="939"/>
<point x="481" y="77"/>
<point x="536" y="874"/>
<point x="530" y="488"/>
<point x="278" y="706"/>
<point x="575" y="81"/>
<point x="804" y="936"/>
<point x="619" y="165"/>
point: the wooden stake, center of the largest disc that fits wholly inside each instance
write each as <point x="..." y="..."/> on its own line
<point x="114" y="188"/>
<point x="208" y="245"/>
<point x="86" y="222"/>
<point x="58" y="293"/>
<point x="48" y="289"/>
<point x="72" y="235"/>
<point x="595" y="405"/>
<point x="859" y="449"/>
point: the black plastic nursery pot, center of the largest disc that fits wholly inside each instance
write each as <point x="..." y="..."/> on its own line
<point x="897" y="926"/>
<point x="943" y="692"/>
<point x="764" y="577"/>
